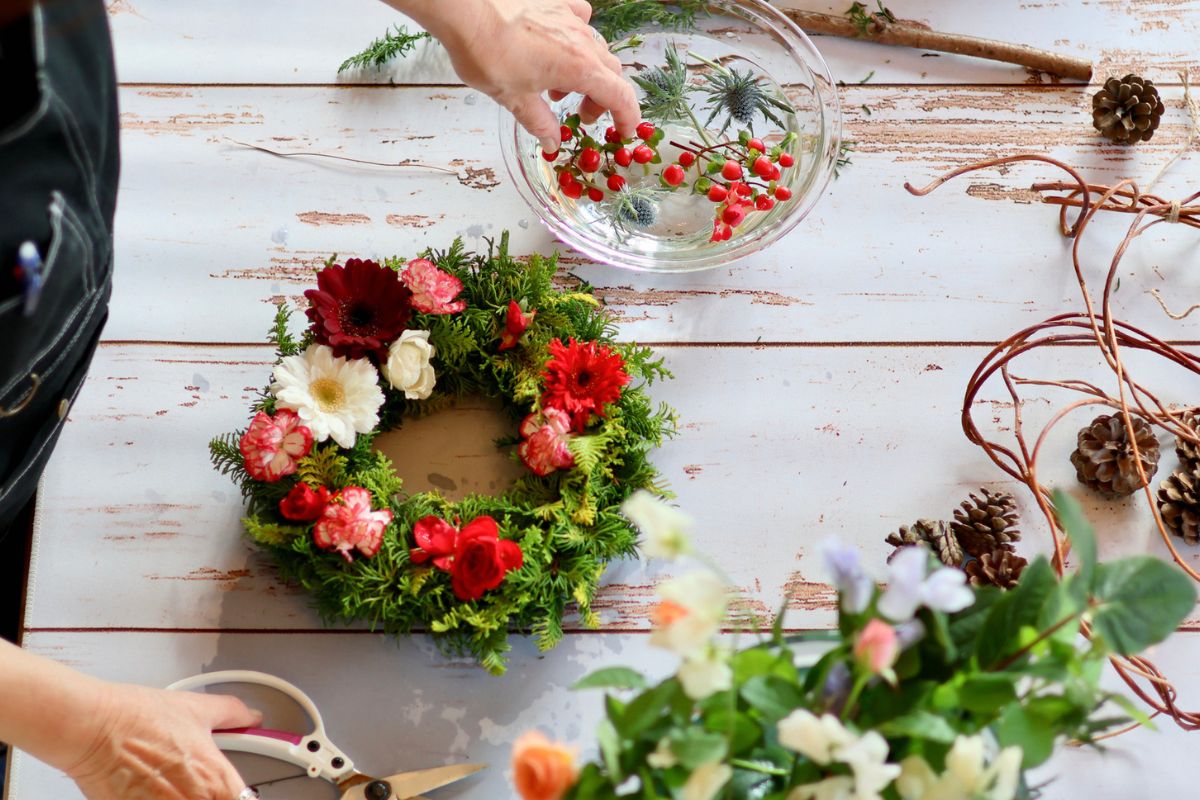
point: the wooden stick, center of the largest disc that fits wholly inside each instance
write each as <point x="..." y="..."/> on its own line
<point x="906" y="33"/>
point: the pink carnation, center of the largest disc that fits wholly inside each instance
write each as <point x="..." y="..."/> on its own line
<point x="433" y="289"/>
<point x="271" y="446"/>
<point x="545" y="447"/>
<point x="348" y="523"/>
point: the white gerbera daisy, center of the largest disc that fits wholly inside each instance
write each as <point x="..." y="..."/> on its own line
<point x="335" y="397"/>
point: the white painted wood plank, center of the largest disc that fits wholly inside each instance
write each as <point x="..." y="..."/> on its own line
<point x="304" y="41"/>
<point x="211" y="234"/>
<point x="136" y="531"/>
<point x="395" y="707"/>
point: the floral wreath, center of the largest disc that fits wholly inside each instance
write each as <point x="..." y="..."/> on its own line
<point x="392" y="341"/>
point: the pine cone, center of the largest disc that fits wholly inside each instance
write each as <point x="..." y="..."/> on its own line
<point x="1189" y="452"/>
<point x="1128" y="110"/>
<point x="986" y="522"/>
<point x="1000" y="567"/>
<point x="936" y="534"/>
<point x="1179" y="505"/>
<point x="1104" y="458"/>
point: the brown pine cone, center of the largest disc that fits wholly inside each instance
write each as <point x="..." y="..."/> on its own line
<point x="934" y="533"/>
<point x="1188" y="451"/>
<point x="986" y="522"/>
<point x="1179" y="505"/>
<point x="1104" y="458"/>
<point x="1000" y="567"/>
<point x="1127" y="110"/>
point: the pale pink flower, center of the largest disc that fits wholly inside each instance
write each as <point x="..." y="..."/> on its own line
<point x="877" y="647"/>
<point x="271" y="446"/>
<point x="433" y="289"/>
<point x="349" y="524"/>
<point x="545" y="447"/>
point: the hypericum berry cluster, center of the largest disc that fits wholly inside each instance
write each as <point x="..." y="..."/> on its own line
<point x="591" y="166"/>
<point x="740" y="176"/>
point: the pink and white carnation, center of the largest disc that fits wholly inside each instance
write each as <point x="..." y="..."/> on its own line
<point x="349" y="524"/>
<point x="271" y="446"/>
<point x="433" y="289"/>
<point x="545" y="447"/>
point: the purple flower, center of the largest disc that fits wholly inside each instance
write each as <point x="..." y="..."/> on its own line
<point x="852" y="583"/>
<point x="908" y="587"/>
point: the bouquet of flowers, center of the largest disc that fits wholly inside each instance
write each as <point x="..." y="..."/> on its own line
<point x="929" y="689"/>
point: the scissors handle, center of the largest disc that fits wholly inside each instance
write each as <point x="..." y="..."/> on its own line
<point x="314" y="753"/>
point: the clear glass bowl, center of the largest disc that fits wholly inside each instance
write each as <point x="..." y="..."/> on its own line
<point x="744" y="35"/>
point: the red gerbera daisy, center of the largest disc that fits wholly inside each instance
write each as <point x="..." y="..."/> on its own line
<point x="581" y="379"/>
<point x="359" y="309"/>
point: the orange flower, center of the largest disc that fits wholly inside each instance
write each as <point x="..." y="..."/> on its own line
<point x="542" y="769"/>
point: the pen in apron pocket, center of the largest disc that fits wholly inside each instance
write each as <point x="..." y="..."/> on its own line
<point x="29" y="264"/>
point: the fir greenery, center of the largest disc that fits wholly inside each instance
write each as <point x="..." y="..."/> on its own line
<point x="864" y="20"/>
<point x="396" y="43"/>
<point x="567" y="523"/>
<point x="615" y="18"/>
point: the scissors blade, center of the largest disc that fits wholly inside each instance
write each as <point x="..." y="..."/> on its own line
<point x="410" y="785"/>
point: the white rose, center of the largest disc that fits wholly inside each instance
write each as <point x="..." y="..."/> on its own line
<point x="665" y="528"/>
<point x="706" y="781"/>
<point x="690" y="614"/>
<point x="408" y="368"/>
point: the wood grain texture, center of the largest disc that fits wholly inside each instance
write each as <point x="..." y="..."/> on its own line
<point x="202" y="217"/>
<point x="304" y="41"/>
<point x="832" y="441"/>
<point x="393" y="707"/>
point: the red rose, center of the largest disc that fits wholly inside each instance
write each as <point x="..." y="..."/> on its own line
<point x="482" y="559"/>
<point x="515" y="324"/>
<point x="435" y="540"/>
<point x="303" y="504"/>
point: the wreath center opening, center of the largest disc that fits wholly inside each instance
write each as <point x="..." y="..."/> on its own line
<point x="453" y="451"/>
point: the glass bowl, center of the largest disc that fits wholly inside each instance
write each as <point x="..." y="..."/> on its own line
<point x="677" y="235"/>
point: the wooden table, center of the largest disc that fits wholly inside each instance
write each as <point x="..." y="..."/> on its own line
<point x="819" y="383"/>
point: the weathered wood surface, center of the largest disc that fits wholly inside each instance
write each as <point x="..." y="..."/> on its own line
<point x="394" y="707"/>
<point x="836" y="441"/>
<point x="202" y="217"/>
<point x="304" y="41"/>
<point x="825" y="375"/>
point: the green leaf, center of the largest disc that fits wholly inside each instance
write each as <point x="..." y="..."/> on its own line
<point x="745" y="731"/>
<point x="1020" y="607"/>
<point x="1140" y="601"/>
<point x="987" y="694"/>
<point x="610" y="749"/>
<point x="773" y="697"/>
<point x="694" y="747"/>
<point x="1079" y="531"/>
<point x="920" y="724"/>
<point x="612" y="678"/>
<point x="1030" y="731"/>
<point x="646" y="708"/>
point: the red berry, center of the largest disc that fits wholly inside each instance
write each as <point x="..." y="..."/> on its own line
<point x="733" y="215"/>
<point x="643" y="154"/>
<point x="589" y="159"/>
<point x="550" y="156"/>
<point x="773" y="175"/>
<point x="615" y="182"/>
<point x="732" y="170"/>
<point x="744" y="190"/>
<point x="687" y="159"/>
<point x="726" y="233"/>
<point x="565" y="133"/>
<point x="595" y="195"/>
<point x="645" y="131"/>
<point x="764" y="203"/>
<point x="611" y="135"/>
<point x="623" y="157"/>
<point x="565" y="178"/>
<point x="673" y="175"/>
<point x="756" y="144"/>
<point x="786" y="160"/>
<point x="573" y="190"/>
<point x="717" y="194"/>
<point x="783" y="194"/>
<point x="763" y="166"/>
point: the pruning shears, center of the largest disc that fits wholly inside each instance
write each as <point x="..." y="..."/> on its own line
<point x="315" y="753"/>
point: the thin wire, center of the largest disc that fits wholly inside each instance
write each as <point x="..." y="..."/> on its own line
<point x="313" y="154"/>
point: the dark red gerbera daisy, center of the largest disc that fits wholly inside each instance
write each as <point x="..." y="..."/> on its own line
<point x="359" y="309"/>
<point x="581" y="379"/>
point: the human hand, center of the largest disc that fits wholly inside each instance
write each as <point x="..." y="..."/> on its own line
<point x="514" y="50"/>
<point x="149" y="744"/>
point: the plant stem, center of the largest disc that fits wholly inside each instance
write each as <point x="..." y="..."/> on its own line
<point x="754" y="766"/>
<point x="906" y="33"/>
<point x="696" y="124"/>
<point x="860" y="683"/>
<point x="1043" y="636"/>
